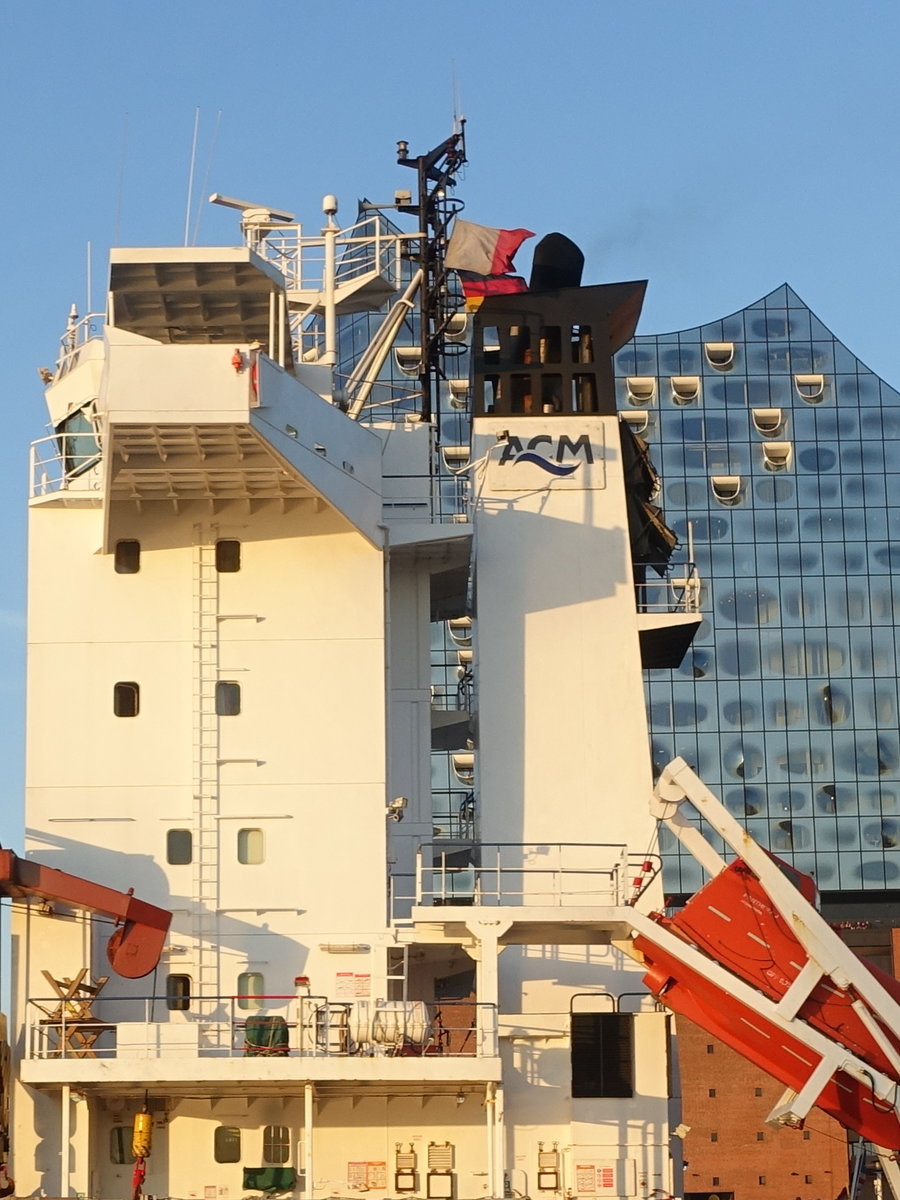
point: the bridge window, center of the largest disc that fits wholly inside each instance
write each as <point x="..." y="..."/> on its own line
<point x="602" y="1053"/>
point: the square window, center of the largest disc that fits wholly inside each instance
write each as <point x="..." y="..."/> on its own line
<point x="276" y="1145"/>
<point x="250" y="990"/>
<point x="228" y="698"/>
<point x="126" y="699"/>
<point x="227" y="1144"/>
<point x="251" y="846"/>
<point x="127" y="559"/>
<point x="179" y="847"/>
<point x="178" y="993"/>
<point x="228" y="555"/>
<point x="120" y="1145"/>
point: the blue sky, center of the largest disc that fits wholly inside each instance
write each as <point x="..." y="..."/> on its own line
<point x="716" y="148"/>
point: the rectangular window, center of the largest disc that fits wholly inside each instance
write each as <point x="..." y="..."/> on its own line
<point x="757" y="1091"/>
<point x="126" y="699"/>
<point x="762" y="1180"/>
<point x="120" y="1145"/>
<point x="250" y="989"/>
<point x="807" y="1178"/>
<point x="715" y="1181"/>
<point x="178" y="993"/>
<point x="228" y="555"/>
<point x="128" y="557"/>
<point x="713" y="1137"/>
<point x="760" y="1137"/>
<point x="179" y="847"/>
<point x="710" y="1048"/>
<point x="227" y="1144"/>
<point x="602" y="1054"/>
<point x="251" y="846"/>
<point x="228" y="698"/>
<point x="806" y="1135"/>
<point x="712" y="1092"/>
<point x="276" y="1145"/>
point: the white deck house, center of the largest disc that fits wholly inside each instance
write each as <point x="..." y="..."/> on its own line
<point x="229" y="706"/>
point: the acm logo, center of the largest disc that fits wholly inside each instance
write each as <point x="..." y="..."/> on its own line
<point x="553" y="458"/>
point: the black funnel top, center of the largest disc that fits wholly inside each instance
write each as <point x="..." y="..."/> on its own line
<point x="557" y="263"/>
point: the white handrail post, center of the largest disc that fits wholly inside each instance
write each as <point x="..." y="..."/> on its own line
<point x="329" y="234"/>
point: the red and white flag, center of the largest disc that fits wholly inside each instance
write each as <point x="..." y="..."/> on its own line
<point x="482" y="250"/>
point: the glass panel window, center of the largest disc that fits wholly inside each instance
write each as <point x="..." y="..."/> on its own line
<point x="276" y="1145"/>
<point x="179" y="847"/>
<point x="227" y="1144"/>
<point x="128" y="557"/>
<point x="78" y="442"/>
<point x="126" y="699"/>
<point x="251" y="847"/>
<point x="178" y="993"/>
<point x="228" y="555"/>
<point x="120" y="1145"/>
<point x="250" y="987"/>
<point x="228" y="698"/>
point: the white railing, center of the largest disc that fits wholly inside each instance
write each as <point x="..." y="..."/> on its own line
<point x="260" y="1026"/>
<point x="679" y="590"/>
<point x="554" y="875"/>
<point x="79" y="331"/>
<point x="360" y="249"/>
<point x="64" y="462"/>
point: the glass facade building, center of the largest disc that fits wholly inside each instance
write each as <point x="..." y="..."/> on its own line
<point x="779" y="457"/>
<point x="779" y="454"/>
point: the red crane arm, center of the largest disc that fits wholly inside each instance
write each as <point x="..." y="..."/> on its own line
<point x="135" y="946"/>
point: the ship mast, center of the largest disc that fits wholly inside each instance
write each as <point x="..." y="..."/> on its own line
<point x="435" y="172"/>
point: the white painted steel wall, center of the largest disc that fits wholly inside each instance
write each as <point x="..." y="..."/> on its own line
<point x="563" y="756"/>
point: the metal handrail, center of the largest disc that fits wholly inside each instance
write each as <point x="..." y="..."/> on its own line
<point x="266" y="1026"/>
<point x="64" y="460"/>
<point x="497" y="873"/>
<point x="79" y="331"/>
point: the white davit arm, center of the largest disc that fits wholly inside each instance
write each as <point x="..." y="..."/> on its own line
<point x="822" y="945"/>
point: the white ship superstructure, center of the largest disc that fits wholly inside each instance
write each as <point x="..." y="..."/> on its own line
<point x="238" y="568"/>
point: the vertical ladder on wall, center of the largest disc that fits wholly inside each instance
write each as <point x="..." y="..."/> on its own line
<point x="205" y="769"/>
